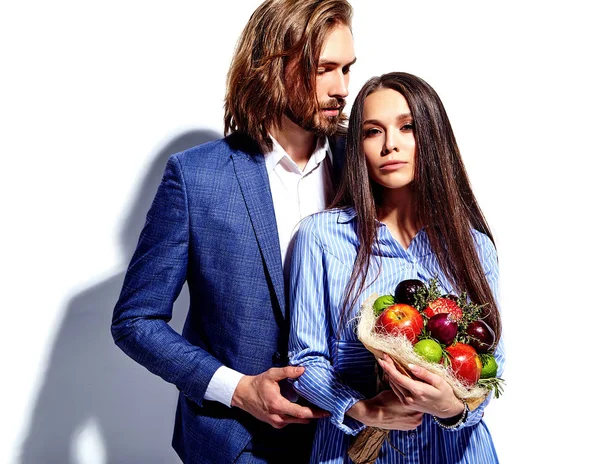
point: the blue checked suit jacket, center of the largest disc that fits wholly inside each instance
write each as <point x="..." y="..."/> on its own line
<point x="212" y="224"/>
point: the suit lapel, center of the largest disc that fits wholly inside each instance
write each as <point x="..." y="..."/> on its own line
<point x="337" y="144"/>
<point x="251" y="174"/>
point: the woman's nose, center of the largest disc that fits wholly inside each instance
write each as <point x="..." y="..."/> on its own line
<point x="391" y="144"/>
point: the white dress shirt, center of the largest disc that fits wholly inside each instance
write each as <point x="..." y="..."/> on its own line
<point x="296" y="194"/>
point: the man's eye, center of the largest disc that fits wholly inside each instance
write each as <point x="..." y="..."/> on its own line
<point x="346" y="69"/>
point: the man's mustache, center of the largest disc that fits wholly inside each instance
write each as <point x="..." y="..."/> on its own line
<point x="333" y="104"/>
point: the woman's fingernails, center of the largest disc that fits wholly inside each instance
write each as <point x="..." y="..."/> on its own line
<point x="412" y="367"/>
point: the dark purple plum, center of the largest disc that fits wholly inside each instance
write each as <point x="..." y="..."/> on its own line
<point x="406" y="290"/>
<point x="481" y="336"/>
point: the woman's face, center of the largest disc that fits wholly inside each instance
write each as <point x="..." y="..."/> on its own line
<point x="388" y="139"/>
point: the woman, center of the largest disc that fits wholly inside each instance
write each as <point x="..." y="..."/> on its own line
<point x="405" y="210"/>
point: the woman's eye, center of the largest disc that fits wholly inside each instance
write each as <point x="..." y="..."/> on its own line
<point x="371" y="132"/>
<point x="407" y="127"/>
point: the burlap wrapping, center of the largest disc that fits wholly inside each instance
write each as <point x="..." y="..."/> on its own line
<point x="365" y="447"/>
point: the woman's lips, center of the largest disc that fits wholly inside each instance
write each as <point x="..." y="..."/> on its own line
<point x="392" y="165"/>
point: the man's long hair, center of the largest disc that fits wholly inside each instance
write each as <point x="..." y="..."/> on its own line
<point x="282" y="41"/>
<point x="443" y="199"/>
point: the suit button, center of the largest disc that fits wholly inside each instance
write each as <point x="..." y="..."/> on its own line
<point x="277" y="358"/>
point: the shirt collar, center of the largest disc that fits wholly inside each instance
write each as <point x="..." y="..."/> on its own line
<point x="349" y="214"/>
<point x="274" y="157"/>
<point x="346" y="215"/>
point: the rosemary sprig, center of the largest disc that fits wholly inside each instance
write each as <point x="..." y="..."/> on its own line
<point x="495" y="384"/>
<point x="485" y="358"/>
<point x="429" y="292"/>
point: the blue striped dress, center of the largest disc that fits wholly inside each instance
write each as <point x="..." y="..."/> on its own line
<point x="339" y="371"/>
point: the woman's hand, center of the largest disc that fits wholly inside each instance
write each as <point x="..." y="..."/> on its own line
<point x="386" y="411"/>
<point x="431" y="395"/>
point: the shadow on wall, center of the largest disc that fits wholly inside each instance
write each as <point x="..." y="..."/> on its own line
<point x="90" y="381"/>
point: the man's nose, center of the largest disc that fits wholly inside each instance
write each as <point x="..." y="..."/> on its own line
<point x="340" y="86"/>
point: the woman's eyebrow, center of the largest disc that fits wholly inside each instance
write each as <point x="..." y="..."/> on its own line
<point x="400" y="117"/>
<point x="371" y="121"/>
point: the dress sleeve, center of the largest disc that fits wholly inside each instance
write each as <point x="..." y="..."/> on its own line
<point x="311" y="330"/>
<point x="489" y="260"/>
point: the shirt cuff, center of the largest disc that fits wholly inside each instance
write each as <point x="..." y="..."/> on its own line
<point x="222" y="385"/>
<point x="345" y="423"/>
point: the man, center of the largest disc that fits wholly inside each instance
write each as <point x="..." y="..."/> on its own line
<point x="223" y="219"/>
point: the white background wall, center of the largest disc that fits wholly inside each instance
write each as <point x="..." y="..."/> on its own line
<point x="96" y="95"/>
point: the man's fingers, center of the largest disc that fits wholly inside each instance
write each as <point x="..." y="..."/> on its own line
<point x="280" y="373"/>
<point x="280" y="421"/>
<point x="294" y="420"/>
<point x="287" y="408"/>
<point x="280" y="406"/>
<point x="319" y="413"/>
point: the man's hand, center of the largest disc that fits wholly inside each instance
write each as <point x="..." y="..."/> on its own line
<point x="260" y="396"/>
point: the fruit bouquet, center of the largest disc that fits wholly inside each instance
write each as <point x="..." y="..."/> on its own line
<point x="445" y="334"/>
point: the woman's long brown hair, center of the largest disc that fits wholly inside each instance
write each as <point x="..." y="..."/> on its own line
<point x="275" y="61"/>
<point x="442" y="195"/>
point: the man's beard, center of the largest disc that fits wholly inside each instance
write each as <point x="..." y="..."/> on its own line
<point x="319" y="124"/>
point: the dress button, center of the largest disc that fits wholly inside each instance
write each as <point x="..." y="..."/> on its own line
<point x="413" y="436"/>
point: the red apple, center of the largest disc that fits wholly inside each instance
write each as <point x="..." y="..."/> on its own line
<point x="400" y="319"/>
<point x="465" y="363"/>
<point x="443" y="305"/>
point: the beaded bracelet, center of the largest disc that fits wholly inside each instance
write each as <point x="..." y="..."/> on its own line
<point x="460" y="420"/>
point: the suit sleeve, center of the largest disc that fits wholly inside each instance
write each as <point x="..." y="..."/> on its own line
<point x="152" y="283"/>
<point x="310" y="331"/>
